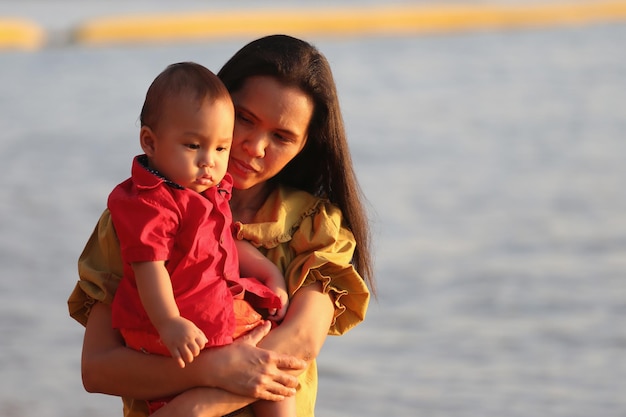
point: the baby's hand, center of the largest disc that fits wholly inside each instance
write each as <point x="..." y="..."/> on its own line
<point x="278" y="314"/>
<point x="183" y="339"/>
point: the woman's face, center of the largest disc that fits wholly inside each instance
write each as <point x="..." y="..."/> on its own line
<point x="271" y="124"/>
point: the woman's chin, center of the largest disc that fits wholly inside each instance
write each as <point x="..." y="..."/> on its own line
<point x="242" y="183"/>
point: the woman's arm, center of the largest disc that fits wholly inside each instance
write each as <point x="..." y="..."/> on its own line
<point x="305" y="327"/>
<point x="111" y="368"/>
<point x="301" y="334"/>
<point x="203" y="402"/>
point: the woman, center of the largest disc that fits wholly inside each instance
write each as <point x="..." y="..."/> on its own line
<point x="296" y="198"/>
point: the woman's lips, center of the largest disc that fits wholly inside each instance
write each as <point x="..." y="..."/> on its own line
<point x="243" y="167"/>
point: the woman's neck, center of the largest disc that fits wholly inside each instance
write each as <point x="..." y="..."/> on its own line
<point x="244" y="204"/>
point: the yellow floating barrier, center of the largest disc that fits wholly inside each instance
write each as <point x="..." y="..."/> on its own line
<point x="362" y="21"/>
<point x="20" y="34"/>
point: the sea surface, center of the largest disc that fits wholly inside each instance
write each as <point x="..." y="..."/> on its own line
<point x="493" y="164"/>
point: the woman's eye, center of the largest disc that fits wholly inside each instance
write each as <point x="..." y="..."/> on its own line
<point x="282" y="138"/>
<point x="243" y="119"/>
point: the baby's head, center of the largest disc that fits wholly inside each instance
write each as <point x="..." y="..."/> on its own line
<point x="187" y="123"/>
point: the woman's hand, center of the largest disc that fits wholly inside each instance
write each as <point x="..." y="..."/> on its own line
<point x="253" y="372"/>
<point x="261" y="382"/>
<point x="111" y="368"/>
<point x="302" y="333"/>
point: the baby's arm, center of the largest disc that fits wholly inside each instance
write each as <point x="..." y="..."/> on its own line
<point x="252" y="263"/>
<point x="181" y="337"/>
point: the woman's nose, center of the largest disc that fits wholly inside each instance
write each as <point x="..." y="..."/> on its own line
<point x="255" y="144"/>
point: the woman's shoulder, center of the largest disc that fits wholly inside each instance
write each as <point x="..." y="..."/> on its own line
<point x="299" y="200"/>
<point x="283" y="213"/>
<point x="296" y="205"/>
<point x="294" y="196"/>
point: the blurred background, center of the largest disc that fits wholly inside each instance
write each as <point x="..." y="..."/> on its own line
<point x="492" y="160"/>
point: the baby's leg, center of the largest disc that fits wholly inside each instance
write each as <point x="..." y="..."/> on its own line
<point x="284" y="408"/>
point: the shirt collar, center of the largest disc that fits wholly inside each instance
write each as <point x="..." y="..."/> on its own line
<point x="146" y="177"/>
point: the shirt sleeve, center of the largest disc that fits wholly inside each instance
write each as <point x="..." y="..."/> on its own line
<point x="99" y="269"/>
<point x="146" y="224"/>
<point x="324" y="248"/>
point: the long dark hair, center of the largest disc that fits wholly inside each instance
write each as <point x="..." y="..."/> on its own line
<point x="324" y="167"/>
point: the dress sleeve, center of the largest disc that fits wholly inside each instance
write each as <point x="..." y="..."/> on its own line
<point x="324" y="248"/>
<point x="99" y="268"/>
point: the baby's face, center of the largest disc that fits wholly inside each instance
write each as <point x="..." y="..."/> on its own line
<point x="193" y="141"/>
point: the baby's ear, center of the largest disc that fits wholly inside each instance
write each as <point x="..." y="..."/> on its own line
<point x="146" y="140"/>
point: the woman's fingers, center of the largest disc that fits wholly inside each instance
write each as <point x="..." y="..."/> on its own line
<point x="277" y="388"/>
<point x="287" y="363"/>
<point x="255" y="372"/>
<point x="254" y="336"/>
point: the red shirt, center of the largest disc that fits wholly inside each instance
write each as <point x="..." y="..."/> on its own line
<point x="156" y="220"/>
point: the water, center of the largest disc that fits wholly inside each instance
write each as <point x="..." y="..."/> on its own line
<point x="493" y="167"/>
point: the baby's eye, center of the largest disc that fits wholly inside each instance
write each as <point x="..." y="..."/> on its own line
<point x="222" y="148"/>
<point x="193" y="146"/>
